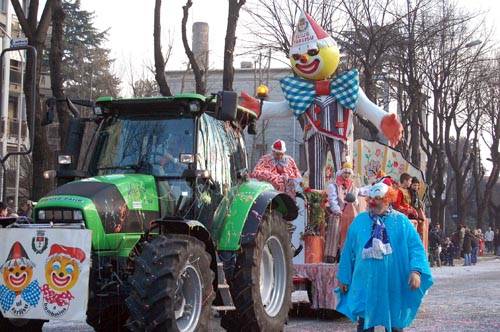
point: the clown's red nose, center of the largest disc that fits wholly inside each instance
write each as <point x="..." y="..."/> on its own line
<point x="303" y="58"/>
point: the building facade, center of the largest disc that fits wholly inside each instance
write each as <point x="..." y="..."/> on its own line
<point x="14" y="131"/>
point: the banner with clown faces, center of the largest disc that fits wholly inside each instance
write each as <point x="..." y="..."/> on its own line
<point x="45" y="273"/>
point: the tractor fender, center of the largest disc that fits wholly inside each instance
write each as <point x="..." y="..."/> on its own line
<point x="273" y="199"/>
<point x="197" y="230"/>
<point x="240" y="215"/>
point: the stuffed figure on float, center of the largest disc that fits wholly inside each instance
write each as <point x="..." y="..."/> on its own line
<point x="324" y="102"/>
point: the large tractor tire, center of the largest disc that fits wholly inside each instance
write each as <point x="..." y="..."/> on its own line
<point x="17" y="325"/>
<point x="171" y="288"/>
<point x="262" y="280"/>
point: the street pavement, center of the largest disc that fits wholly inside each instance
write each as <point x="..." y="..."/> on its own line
<point x="463" y="299"/>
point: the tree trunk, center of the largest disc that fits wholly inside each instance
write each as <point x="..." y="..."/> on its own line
<point x="55" y="60"/>
<point x="43" y="155"/>
<point x="487" y="194"/>
<point x="232" y="22"/>
<point x="198" y="74"/>
<point x="461" y="203"/>
<point x="415" y="133"/>
<point x="159" y="60"/>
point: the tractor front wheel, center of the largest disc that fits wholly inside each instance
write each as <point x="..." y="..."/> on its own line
<point x="262" y="281"/>
<point x="171" y="288"/>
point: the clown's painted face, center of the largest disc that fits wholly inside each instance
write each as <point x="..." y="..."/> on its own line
<point x="316" y="64"/>
<point x="378" y="205"/>
<point x="61" y="273"/>
<point x="17" y="277"/>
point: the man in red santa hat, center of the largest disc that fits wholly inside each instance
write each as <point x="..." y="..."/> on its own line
<point x="279" y="169"/>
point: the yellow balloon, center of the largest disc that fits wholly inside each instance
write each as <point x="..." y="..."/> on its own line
<point x="318" y="66"/>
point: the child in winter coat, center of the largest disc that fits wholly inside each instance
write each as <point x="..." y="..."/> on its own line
<point x="448" y="252"/>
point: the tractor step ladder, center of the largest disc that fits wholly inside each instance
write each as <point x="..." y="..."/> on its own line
<point x="223" y="287"/>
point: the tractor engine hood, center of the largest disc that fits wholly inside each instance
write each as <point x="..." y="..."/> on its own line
<point x="126" y="203"/>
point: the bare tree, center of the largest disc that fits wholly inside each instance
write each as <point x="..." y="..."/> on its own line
<point x="276" y="21"/>
<point x="198" y="73"/>
<point x="230" y="42"/>
<point x="370" y="33"/>
<point x="36" y="32"/>
<point x="488" y="98"/>
<point x="160" y="61"/>
<point x="56" y="76"/>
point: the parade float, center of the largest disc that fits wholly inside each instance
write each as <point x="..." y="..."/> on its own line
<point x="324" y="101"/>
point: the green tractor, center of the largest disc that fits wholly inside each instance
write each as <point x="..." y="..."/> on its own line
<point x="178" y="228"/>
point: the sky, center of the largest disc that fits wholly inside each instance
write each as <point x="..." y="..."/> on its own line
<point x="130" y="27"/>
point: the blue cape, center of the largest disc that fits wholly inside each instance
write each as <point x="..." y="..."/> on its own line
<point x="378" y="289"/>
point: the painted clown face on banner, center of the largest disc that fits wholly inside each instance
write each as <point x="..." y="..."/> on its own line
<point x="18" y="271"/>
<point x="62" y="269"/>
<point x="17" y="277"/>
<point x="314" y="54"/>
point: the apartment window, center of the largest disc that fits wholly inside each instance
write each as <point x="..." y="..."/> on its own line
<point x="15" y="71"/>
<point x="13" y="108"/>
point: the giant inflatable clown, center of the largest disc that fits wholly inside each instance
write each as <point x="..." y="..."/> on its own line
<point x="323" y="101"/>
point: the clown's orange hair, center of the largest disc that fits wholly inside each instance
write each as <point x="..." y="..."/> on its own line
<point x="391" y="196"/>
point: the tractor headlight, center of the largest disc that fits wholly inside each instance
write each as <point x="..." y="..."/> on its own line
<point x="64" y="159"/>
<point x="77" y="215"/>
<point x="194" y="106"/>
<point x="41" y="214"/>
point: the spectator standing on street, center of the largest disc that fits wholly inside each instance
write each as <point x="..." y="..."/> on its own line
<point x="480" y="238"/>
<point x="435" y="241"/>
<point x="448" y="252"/>
<point x="496" y="241"/>
<point x="475" y="239"/>
<point x="4" y="210"/>
<point x="25" y="209"/>
<point x="461" y="237"/>
<point x="467" y="247"/>
<point x="488" y="239"/>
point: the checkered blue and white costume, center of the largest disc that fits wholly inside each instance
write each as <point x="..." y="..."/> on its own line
<point x="325" y="119"/>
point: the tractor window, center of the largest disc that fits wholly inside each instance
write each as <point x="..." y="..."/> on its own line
<point x="221" y="150"/>
<point x="151" y="145"/>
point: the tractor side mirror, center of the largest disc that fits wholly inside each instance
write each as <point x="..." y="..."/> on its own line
<point x="49" y="114"/>
<point x="227" y="103"/>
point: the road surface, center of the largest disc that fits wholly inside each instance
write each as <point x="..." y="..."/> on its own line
<point x="463" y="299"/>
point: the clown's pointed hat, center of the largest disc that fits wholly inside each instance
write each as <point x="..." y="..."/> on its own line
<point x="17" y="251"/>
<point x="308" y="35"/>
<point x="17" y="255"/>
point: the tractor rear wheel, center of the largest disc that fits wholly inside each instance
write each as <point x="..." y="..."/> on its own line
<point x="262" y="281"/>
<point x="171" y="288"/>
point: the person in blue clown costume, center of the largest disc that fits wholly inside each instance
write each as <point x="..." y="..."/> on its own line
<point x="19" y="291"/>
<point x="383" y="272"/>
<point x="323" y="101"/>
